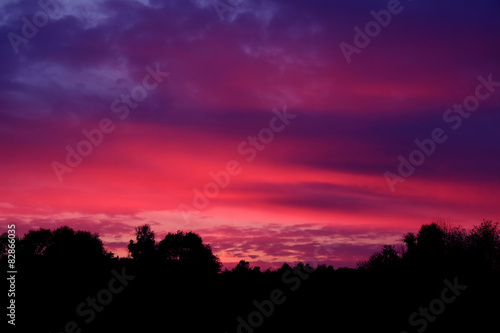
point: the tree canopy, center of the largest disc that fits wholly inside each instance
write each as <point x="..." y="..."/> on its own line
<point x="184" y="249"/>
<point x="438" y="244"/>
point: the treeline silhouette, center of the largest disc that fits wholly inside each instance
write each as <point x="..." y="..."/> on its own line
<point x="442" y="279"/>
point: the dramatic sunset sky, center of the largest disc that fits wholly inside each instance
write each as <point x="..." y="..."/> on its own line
<point x="318" y="180"/>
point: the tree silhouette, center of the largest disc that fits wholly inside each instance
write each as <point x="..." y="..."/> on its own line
<point x="188" y="250"/>
<point x="144" y="247"/>
<point x="484" y="243"/>
<point x="242" y="268"/>
<point x="385" y="258"/>
<point x="411" y="242"/>
<point x="61" y="244"/>
<point x="80" y="245"/>
<point x="431" y="240"/>
<point x="36" y="242"/>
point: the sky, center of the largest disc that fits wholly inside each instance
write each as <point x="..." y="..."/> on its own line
<point x="278" y="130"/>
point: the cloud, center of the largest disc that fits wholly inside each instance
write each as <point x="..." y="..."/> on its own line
<point x="324" y="171"/>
